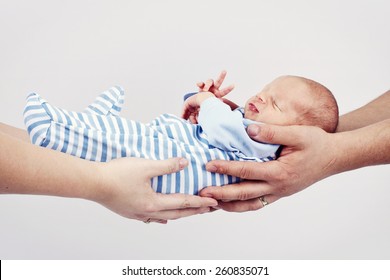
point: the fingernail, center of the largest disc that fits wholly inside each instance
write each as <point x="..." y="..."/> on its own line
<point x="183" y="163"/>
<point x="207" y="195"/>
<point x="215" y="204"/>
<point x="253" y="130"/>
<point x="211" y="168"/>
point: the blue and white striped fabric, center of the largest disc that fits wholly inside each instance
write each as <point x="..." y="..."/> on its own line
<point x="99" y="134"/>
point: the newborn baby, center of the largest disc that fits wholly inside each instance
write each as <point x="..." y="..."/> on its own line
<point x="209" y="129"/>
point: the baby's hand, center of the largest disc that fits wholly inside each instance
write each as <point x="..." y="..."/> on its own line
<point x="192" y="104"/>
<point x="213" y="87"/>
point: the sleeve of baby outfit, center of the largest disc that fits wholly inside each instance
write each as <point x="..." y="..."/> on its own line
<point x="225" y="130"/>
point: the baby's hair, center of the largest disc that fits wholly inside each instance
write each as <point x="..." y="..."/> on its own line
<point x="324" y="113"/>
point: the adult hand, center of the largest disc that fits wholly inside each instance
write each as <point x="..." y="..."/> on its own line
<point x="310" y="154"/>
<point x="122" y="185"/>
<point x="126" y="191"/>
<point x="306" y="158"/>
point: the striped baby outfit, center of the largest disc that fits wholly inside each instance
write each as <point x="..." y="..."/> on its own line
<point x="100" y="134"/>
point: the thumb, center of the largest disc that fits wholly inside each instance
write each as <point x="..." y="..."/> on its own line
<point x="275" y="134"/>
<point x="156" y="168"/>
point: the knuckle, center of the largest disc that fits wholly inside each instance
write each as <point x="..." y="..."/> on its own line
<point x="287" y="181"/>
<point x="244" y="172"/>
<point x="268" y="133"/>
<point x="283" y="176"/>
<point x="242" y="195"/>
<point x="221" y="168"/>
<point x="283" y="190"/>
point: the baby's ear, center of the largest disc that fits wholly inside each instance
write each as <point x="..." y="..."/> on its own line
<point x="109" y="103"/>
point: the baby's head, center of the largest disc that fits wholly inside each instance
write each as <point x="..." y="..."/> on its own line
<point x="292" y="100"/>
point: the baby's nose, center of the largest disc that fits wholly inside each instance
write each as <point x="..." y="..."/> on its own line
<point x="261" y="100"/>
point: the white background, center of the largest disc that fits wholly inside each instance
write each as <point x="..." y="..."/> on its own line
<point x="70" y="51"/>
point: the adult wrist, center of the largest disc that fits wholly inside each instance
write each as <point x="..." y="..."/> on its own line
<point x="92" y="179"/>
<point x="338" y="160"/>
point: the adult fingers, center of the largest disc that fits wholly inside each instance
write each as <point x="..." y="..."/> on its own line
<point x="183" y="201"/>
<point x="241" y="206"/>
<point x="247" y="205"/>
<point x="274" y="134"/>
<point x="154" y="168"/>
<point x="174" y="206"/>
<point x="238" y="192"/>
<point x="244" y="169"/>
<point x="181" y="213"/>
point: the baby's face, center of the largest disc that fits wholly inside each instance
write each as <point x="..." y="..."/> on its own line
<point x="278" y="103"/>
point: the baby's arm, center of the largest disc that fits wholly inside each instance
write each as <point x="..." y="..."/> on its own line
<point x="192" y="105"/>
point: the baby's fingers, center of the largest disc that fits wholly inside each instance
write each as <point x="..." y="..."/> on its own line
<point x="220" y="79"/>
<point x="224" y="91"/>
<point x="200" y="85"/>
<point x="208" y="84"/>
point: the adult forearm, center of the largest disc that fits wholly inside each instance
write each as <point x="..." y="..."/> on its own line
<point x="14" y="132"/>
<point x="29" y="169"/>
<point x="366" y="146"/>
<point x="375" y="111"/>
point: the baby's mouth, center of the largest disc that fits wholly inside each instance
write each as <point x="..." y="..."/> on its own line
<point x="253" y="108"/>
